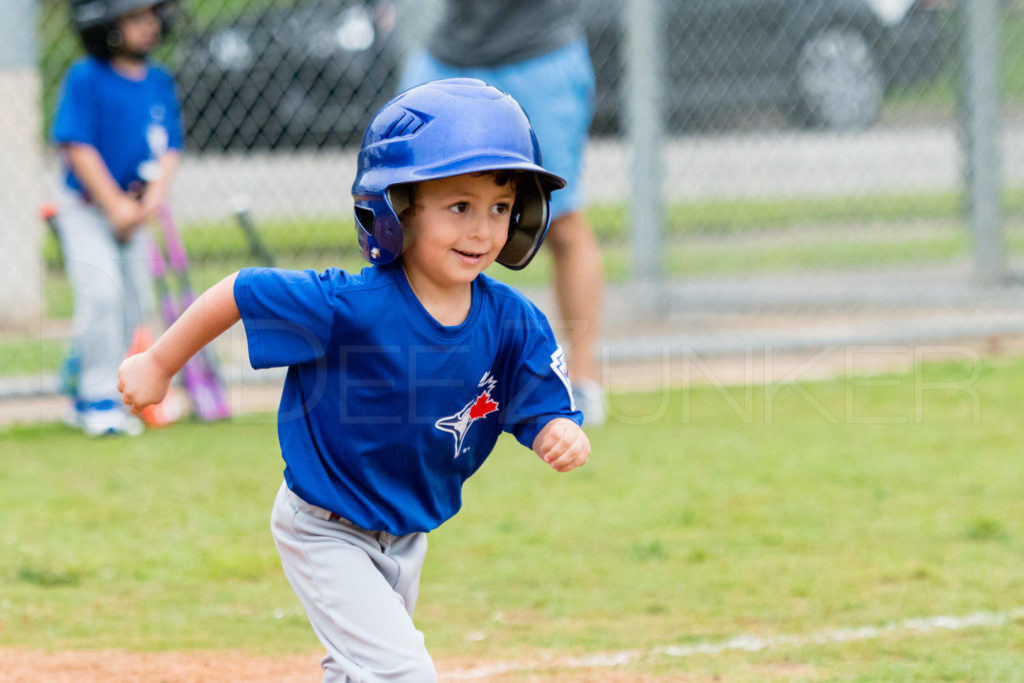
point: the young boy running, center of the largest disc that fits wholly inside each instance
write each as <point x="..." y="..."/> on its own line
<point x="402" y="377"/>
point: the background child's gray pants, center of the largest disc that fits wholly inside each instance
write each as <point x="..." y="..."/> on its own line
<point x="113" y="293"/>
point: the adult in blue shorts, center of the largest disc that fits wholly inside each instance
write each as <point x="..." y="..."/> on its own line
<point x="536" y="51"/>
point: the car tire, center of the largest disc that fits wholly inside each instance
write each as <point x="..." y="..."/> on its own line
<point x="838" y="81"/>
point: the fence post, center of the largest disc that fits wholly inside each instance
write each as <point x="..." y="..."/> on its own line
<point x="643" y="109"/>
<point x="979" y="132"/>
<point x="415" y="20"/>
<point x="21" y="176"/>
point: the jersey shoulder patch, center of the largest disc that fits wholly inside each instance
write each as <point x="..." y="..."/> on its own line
<point x="561" y="369"/>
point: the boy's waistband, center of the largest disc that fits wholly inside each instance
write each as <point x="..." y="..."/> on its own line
<point x="315" y="510"/>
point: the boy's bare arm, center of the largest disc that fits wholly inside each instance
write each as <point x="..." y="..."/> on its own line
<point x="562" y="444"/>
<point x="123" y="210"/>
<point x="145" y="377"/>
<point x="159" y="187"/>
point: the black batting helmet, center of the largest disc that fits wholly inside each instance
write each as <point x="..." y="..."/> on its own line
<point x="96" y="21"/>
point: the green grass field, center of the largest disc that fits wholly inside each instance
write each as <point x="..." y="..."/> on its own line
<point x="707" y="513"/>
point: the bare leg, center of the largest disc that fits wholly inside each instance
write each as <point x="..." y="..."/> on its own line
<point x="579" y="288"/>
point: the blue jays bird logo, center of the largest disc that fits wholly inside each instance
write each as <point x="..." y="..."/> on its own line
<point x="458" y="424"/>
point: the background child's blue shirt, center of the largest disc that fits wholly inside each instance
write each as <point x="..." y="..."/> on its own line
<point x="385" y="412"/>
<point x="129" y="122"/>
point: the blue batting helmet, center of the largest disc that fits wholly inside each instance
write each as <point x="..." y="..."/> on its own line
<point x="441" y="129"/>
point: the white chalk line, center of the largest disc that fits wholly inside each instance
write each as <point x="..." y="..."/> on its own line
<point x="749" y="643"/>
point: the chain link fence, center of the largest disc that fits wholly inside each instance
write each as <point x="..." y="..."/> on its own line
<point x="755" y="165"/>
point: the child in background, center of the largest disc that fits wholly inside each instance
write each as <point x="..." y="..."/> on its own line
<point x="402" y="377"/>
<point x="118" y="127"/>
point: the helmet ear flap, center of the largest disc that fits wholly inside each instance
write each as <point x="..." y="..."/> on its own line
<point x="94" y="40"/>
<point x="378" y="230"/>
<point x="115" y="40"/>
<point x="529" y="223"/>
<point x="364" y="218"/>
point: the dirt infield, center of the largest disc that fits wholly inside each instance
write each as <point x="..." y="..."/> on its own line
<point x="116" y="666"/>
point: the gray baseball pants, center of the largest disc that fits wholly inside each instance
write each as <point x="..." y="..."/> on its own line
<point x="113" y="292"/>
<point x="359" y="589"/>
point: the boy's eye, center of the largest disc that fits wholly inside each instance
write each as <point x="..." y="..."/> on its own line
<point x="459" y="207"/>
<point x="501" y="209"/>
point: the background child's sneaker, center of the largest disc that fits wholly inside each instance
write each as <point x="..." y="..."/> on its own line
<point x="589" y="397"/>
<point x="105" y="417"/>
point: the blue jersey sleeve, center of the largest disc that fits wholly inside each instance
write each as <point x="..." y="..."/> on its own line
<point x="77" y="109"/>
<point x="288" y="315"/>
<point x="541" y="390"/>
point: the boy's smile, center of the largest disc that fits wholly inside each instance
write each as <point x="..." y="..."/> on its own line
<point x="456" y="227"/>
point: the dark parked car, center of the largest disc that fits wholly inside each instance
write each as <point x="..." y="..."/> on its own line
<point x="313" y="74"/>
<point x="308" y="75"/>
<point x="824" y="63"/>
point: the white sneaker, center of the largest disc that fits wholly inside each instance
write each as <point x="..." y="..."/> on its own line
<point x="589" y="397"/>
<point x="106" y="417"/>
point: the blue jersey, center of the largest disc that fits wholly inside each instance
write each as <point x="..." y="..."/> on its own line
<point x="386" y="412"/>
<point x="131" y="123"/>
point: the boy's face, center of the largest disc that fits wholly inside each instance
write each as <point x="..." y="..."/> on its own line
<point x="141" y="30"/>
<point x="458" y="226"/>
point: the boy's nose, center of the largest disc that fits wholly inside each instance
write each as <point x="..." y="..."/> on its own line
<point x="478" y="227"/>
